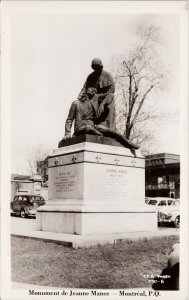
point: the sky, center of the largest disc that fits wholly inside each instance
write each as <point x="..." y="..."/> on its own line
<point x="50" y="58"/>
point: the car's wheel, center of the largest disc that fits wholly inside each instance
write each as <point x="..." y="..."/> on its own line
<point x="22" y="213"/>
<point x="177" y="222"/>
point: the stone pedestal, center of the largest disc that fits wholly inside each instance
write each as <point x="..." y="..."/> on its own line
<point x="96" y="188"/>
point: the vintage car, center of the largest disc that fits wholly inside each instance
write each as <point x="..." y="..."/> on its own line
<point x="169" y="214"/>
<point x="26" y="205"/>
<point x="160" y="201"/>
<point x="147" y="200"/>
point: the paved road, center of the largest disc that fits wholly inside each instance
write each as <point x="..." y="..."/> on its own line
<point x="17" y="223"/>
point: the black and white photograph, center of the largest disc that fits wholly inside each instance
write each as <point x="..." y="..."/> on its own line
<point x="94" y="150"/>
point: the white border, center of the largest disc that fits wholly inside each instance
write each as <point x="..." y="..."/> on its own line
<point x="99" y="7"/>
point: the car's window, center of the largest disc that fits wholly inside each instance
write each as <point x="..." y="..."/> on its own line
<point x="20" y="198"/>
<point x="162" y="202"/>
<point x="24" y="199"/>
<point x="152" y="202"/>
<point x="38" y="198"/>
<point x="16" y="199"/>
<point x="32" y="199"/>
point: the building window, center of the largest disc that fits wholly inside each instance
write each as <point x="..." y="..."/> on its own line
<point x="172" y="195"/>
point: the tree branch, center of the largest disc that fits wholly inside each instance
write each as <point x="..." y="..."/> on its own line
<point x="141" y="103"/>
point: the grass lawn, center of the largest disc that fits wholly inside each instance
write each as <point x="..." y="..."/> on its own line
<point x="103" y="267"/>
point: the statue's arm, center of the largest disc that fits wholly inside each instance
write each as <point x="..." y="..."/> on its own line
<point x="105" y="103"/>
<point x="110" y="87"/>
<point x="106" y="99"/>
<point x="69" y="120"/>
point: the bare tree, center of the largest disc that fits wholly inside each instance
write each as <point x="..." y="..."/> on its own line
<point x="37" y="160"/>
<point x="138" y="74"/>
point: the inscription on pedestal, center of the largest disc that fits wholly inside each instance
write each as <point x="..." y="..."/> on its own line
<point x="64" y="182"/>
<point x="116" y="183"/>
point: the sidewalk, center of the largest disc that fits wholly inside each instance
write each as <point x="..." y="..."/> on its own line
<point x="85" y="241"/>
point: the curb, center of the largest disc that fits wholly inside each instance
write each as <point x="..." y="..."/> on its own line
<point x="77" y="241"/>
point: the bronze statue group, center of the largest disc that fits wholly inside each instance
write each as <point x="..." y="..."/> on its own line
<point x="94" y="110"/>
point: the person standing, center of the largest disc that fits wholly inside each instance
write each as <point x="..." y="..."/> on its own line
<point x="104" y="84"/>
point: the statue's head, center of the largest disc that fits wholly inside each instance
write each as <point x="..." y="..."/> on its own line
<point x="96" y="64"/>
<point x="91" y="91"/>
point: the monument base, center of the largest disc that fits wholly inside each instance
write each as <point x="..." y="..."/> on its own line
<point x="83" y="223"/>
<point x="96" y="187"/>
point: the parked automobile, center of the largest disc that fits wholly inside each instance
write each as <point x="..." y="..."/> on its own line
<point x="169" y="214"/>
<point x="26" y="205"/>
<point x="160" y="201"/>
<point x="147" y="200"/>
<point x="176" y="201"/>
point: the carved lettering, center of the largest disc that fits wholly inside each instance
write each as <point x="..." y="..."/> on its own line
<point x="64" y="182"/>
<point x="115" y="182"/>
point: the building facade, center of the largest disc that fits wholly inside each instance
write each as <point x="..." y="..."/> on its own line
<point x="21" y="184"/>
<point x="162" y="173"/>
